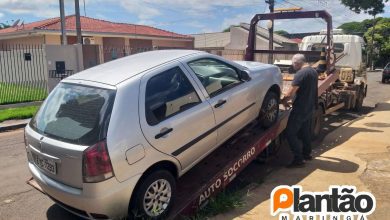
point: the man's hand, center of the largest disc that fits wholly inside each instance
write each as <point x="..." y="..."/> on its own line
<point x="285" y="101"/>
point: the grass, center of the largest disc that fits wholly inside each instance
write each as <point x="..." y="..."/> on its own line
<point x="223" y="202"/>
<point x="18" y="113"/>
<point x="16" y="93"/>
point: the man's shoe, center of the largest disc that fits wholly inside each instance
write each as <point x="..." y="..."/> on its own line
<point x="296" y="164"/>
<point x="308" y="157"/>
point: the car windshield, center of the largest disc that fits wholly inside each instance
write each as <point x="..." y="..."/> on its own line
<point x="75" y="114"/>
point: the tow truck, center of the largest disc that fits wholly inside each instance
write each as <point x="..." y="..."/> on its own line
<point x="216" y="171"/>
<point x="339" y="86"/>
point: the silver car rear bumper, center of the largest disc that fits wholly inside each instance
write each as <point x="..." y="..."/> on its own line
<point x="110" y="197"/>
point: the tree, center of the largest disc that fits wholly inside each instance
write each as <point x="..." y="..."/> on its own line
<point x="353" y="28"/>
<point x="381" y="41"/>
<point x="371" y="7"/>
<point x="228" y="29"/>
<point x="3" y="26"/>
<point x="282" y="33"/>
<point x="358" y="28"/>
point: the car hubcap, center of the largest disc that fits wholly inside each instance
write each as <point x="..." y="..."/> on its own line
<point x="272" y="110"/>
<point x="157" y="197"/>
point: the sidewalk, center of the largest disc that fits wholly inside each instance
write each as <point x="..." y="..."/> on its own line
<point x="357" y="153"/>
<point x="13" y="124"/>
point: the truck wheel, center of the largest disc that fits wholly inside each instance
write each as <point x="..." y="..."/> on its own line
<point x="269" y="110"/>
<point x="359" y="100"/>
<point x="154" y="196"/>
<point x="316" y="123"/>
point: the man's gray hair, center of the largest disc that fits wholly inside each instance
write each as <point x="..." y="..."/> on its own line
<point x="299" y="58"/>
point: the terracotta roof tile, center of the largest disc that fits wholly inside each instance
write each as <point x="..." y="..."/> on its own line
<point x="94" y="25"/>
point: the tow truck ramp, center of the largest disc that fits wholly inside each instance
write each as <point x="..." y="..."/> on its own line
<point x="218" y="169"/>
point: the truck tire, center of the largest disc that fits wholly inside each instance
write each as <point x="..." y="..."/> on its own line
<point x="359" y="99"/>
<point x="154" y="196"/>
<point x="317" y="123"/>
<point x="269" y="110"/>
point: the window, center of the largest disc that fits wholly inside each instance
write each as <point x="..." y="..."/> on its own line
<point x="337" y="47"/>
<point x="75" y="114"/>
<point x="214" y="75"/>
<point x="167" y="94"/>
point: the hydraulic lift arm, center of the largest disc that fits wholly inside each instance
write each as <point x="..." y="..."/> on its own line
<point x="251" y="47"/>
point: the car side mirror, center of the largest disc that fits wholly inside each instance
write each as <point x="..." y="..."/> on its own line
<point x="245" y="75"/>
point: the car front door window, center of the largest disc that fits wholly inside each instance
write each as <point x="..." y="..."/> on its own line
<point x="215" y="75"/>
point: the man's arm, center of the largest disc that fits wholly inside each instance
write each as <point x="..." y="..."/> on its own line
<point x="291" y="92"/>
<point x="288" y="96"/>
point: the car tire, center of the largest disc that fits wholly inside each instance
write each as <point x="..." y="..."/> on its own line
<point x="383" y="79"/>
<point x="317" y="123"/>
<point x="269" y="110"/>
<point x="160" y="202"/>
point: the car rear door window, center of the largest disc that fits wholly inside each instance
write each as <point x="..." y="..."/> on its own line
<point x="168" y="94"/>
<point x="215" y="75"/>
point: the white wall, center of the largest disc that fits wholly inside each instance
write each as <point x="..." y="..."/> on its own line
<point x="70" y="54"/>
<point x="239" y="40"/>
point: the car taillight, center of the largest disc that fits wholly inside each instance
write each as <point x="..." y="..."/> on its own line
<point x="96" y="163"/>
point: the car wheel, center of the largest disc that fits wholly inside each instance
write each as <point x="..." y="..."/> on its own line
<point x="383" y="79"/>
<point x="154" y="196"/>
<point x="269" y="110"/>
<point x="316" y="123"/>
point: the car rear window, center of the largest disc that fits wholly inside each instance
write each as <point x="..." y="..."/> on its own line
<point x="75" y="113"/>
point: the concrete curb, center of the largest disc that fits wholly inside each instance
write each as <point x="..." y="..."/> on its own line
<point x="16" y="105"/>
<point x="12" y="126"/>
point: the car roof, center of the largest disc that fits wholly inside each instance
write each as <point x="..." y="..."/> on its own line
<point x="114" y="72"/>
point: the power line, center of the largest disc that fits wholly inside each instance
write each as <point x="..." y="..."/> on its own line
<point x="287" y="2"/>
<point x="85" y="12"/>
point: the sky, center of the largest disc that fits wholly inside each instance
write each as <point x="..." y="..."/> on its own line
<point x="182" y="16"/>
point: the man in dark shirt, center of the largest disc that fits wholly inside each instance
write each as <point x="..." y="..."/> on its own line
<point x="304" y="92"/>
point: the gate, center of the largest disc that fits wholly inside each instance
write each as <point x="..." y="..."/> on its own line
<point x="23" y="73"/>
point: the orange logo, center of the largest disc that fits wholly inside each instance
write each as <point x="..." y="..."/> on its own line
<point x="338" y="201"/>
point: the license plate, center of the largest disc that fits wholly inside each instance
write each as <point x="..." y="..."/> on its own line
<point x="45" y="164"/>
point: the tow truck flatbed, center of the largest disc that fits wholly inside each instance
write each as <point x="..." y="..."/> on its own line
<point x="219" y="168"/>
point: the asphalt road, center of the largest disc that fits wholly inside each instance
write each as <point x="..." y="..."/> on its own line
<point x="20" y="201"/>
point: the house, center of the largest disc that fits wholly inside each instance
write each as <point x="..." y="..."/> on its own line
<point x="116" y="39"/>
<point x="237" y="37"/>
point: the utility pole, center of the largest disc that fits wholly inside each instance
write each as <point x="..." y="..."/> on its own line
<point x="78" y="23"/>
<point x="63" y="28"/>
<point x="271" y="31"/>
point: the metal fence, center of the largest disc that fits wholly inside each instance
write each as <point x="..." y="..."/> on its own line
<point x="108" y="53"/>
<point x="23" y="73"/>
<point x="28" y="72"/>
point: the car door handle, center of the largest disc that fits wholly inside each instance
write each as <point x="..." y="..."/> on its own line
<point x="163" y="132"/>
<point x="220" y="103"/>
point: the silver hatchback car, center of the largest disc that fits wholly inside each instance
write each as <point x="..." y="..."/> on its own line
<point x="111" y="140"/>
